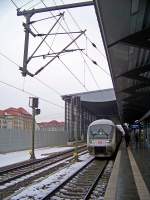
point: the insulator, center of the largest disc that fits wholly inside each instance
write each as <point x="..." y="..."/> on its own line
<point x="94" y="62"/>
<point x="94" y="45"/>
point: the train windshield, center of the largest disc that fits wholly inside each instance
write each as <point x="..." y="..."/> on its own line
<point x="102" y="131"/>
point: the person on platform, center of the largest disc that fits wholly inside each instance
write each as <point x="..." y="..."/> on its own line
<point x="127" y="136"/>
<point x="136" y="134"/>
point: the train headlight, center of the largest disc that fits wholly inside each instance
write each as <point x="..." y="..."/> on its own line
<point x="108" y="141"/>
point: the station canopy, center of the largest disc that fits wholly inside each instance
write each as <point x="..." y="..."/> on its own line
<point x="101" y="103"/>
<point x="125" y="29"/>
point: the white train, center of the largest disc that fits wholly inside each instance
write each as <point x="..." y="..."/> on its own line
<point x="103" y="137"/>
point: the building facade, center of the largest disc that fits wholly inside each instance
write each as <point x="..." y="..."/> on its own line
<point x="51" y="126"/>
<point x="14" y="118"/>
<point x="83" y="108"/>
<point x="77" y="118"/>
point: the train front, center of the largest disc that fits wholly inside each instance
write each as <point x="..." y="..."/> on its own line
<point x="100" y="138"/>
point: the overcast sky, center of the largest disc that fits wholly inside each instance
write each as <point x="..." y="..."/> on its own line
<point x="55" y="75"/>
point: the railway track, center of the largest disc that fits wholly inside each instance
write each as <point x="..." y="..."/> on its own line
<point x="81" y="184"/>
<point x="16" y="166"/>
<point x="97" y="190"/>
<point x="13" y="177"/>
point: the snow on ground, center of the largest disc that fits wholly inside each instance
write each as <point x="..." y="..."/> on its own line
<point x="40" y="190"/>
<point x="23" y="178"/>
<point x="19" y="156"/>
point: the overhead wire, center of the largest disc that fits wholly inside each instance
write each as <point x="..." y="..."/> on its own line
<point x="29" y="93"/>
<point x="95" y="46"/>
<point x="40" y="36"/>
<point x="92" y="43"/>
<point x="45" y="36"/>
<point x="55" y="34"/>
<point x="95" y="63"/>
<point x="84" y="63"/>
<point x="33" y="6"/>
<point x="22" y="90"/>
<point x="65" y="64"/>
<point x="14" y="4"/>
<point x="10" y="60"/>
<point x="81" y="53"/>
<point x="78" y="26"/>
<point x="26" y="4"/>
<point x="43" y="83"/>
<point x="42" y="19"/>
<point x="90" y="68"/>
<point x="59" y="58"/>
<point x="54" y="90"/>
<point x="30" y="1"/>
<point x="71" y="36"/>
<point x="31" y="25"/>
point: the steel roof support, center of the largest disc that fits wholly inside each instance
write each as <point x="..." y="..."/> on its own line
<point x="135" y="87"/>
<point x="138" y="39"/>
<point x="136" y="71"/>
<point x="137" y="95"/>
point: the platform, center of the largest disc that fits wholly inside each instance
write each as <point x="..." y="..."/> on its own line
<point x="130" y="178"/>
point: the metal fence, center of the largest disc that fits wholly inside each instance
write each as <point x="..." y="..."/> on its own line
<point x="17" y="139"/>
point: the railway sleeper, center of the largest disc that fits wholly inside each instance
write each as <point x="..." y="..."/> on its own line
<point x="98" y="193"/>
<point x="84" y="182"/>
<point x="71" y="193"/>
<point x="88" y="175"/>
<point x="85" y="185"/>
<point x="100" y="188"/>
<point x="95" y="197"/>
<point x="67" y="196"/>
<point x="88" y="171"/>
<point x="75" y="189"/>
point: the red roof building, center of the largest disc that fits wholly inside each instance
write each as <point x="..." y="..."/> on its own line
<point x="51" y="126"/>
<point x="15" y="118"/>
<point x="16" y="112"/>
